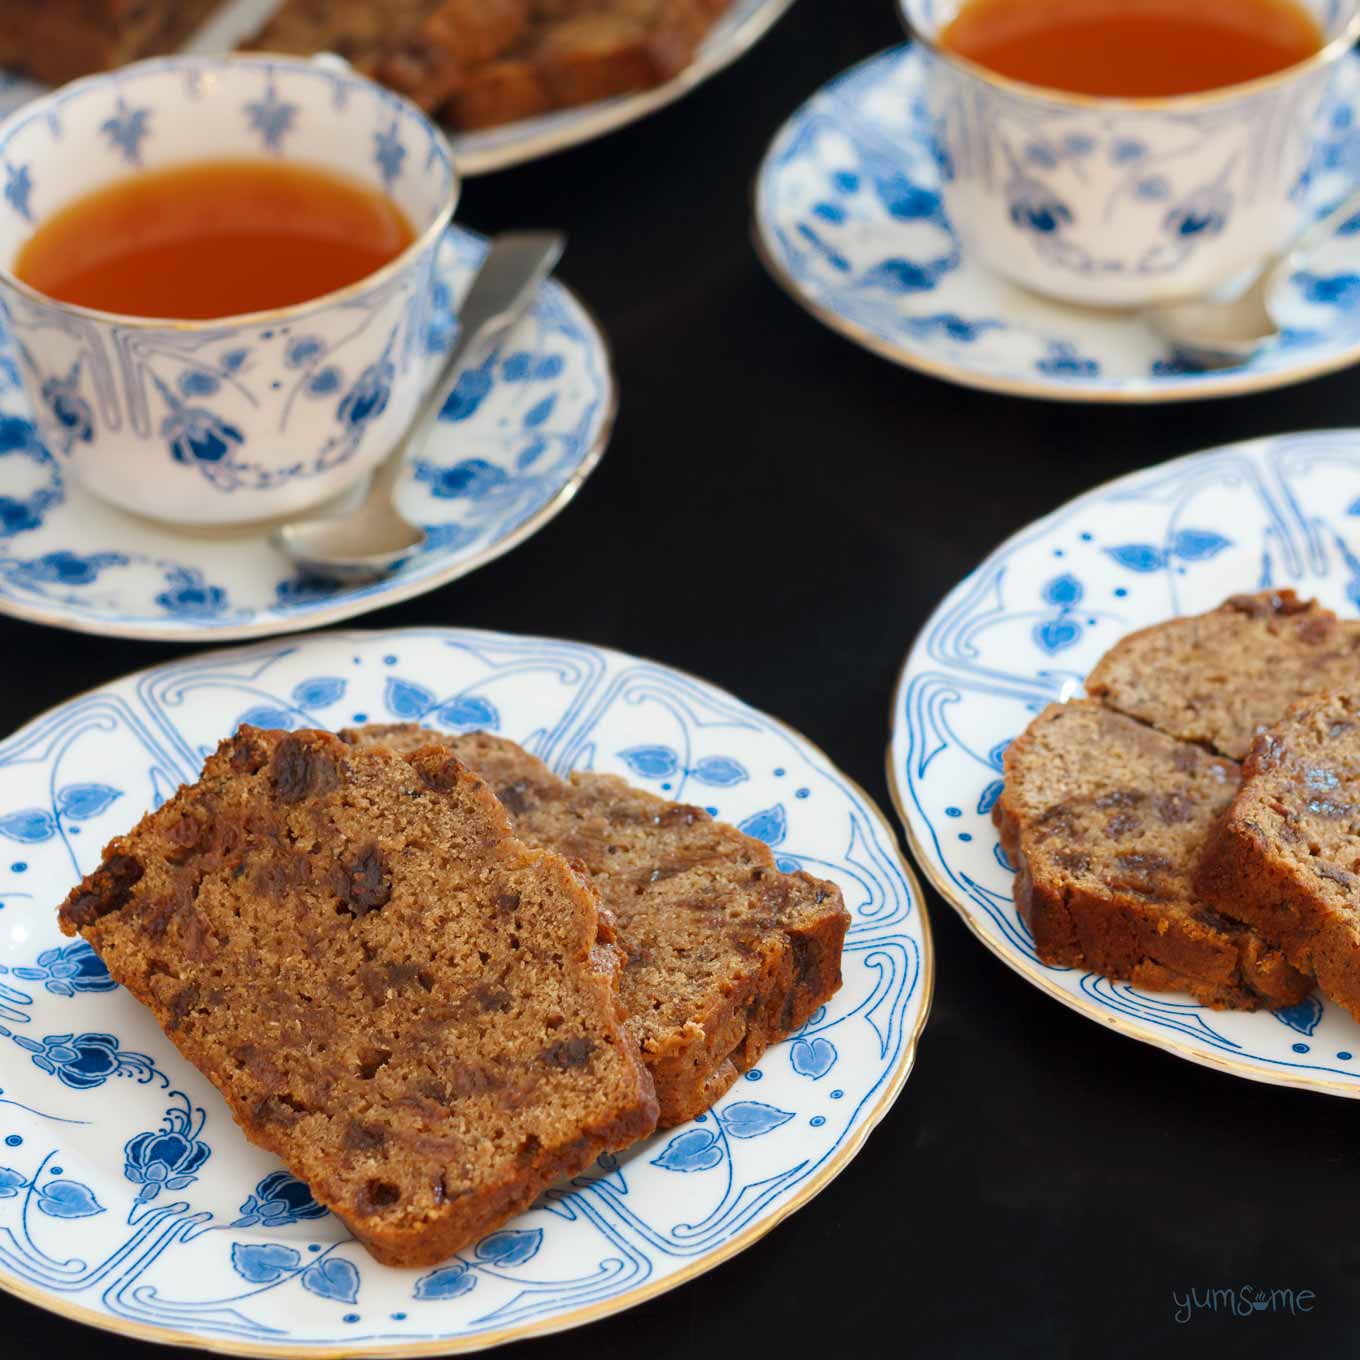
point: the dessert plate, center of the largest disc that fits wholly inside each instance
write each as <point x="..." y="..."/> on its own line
<point x="849" y="221"/>
<point x="478" y="153"/>
<point x="1026" y="627"/>
<point x="523" y="430"/>
<point x="129" y="1199"/>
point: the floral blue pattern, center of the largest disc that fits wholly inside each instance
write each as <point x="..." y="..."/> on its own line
<point x="1025" y="628"/>
<point x="19" y="189"/>
<point x="278" y="1200"/>
<point x="84" y="1061"/>
<point x="850" y="220"/>
<point x="271" y="117"/>
<point x="181" y="1227"/>
<point x="127" y="128"/>
<point x="67" y="969"/>
<point x="170" y="1158"/>
<point x="516" y="438"/>
<point x="143" y="411"/>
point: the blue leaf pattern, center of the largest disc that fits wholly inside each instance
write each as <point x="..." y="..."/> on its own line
<point x="510" y="1247"/>
<point x="812" y="1057"/>
<point x="68" y="1199"/>
<point x="319" y="693"/>
<point x="80" y="802"/>
<point x="1053" y="635"/>
<point x="1138" y="556"/>
<point x="332" y="1279"/>
<point x="987" y="799"/>
<point x="267" y="717"/>
<point x="539" y="412"/>
<point x="1198" y="545"/>
<point x="720" y="771"/>
<point x="651" y="762"/>
<point x="771" y="825"/>
<point x="696" y="1150"/>
<point x="29" y="826"/>
<point x="470" y="711"/>
<point x="752" y="1118"/>
<point x="263" y="1262"/>
<point x="11" y="1182"/>
<point x="406" y="699"/>
<point x="448" y="1282"/>
<point x="1303" y="1017"/>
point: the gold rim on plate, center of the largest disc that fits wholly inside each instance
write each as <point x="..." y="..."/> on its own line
<point x="348" y="606"/>
<point x="565" y="128"/>
<point x="1032" y="971"/>
<point x="1201" y="388"/>
<point x="842" y="1156"/>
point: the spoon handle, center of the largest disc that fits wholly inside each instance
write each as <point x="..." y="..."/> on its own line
<point x="1323" y="229"/>
<point x="512" y="271"/>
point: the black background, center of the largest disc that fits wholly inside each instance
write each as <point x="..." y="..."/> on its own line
<point x="779" y="512"/>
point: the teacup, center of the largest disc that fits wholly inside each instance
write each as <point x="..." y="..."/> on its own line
<point x="248" y="417"/>
<point x="1124" y="202"/>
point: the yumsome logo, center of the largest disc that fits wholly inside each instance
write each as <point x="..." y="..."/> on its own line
<point x="1245" y="1301"/>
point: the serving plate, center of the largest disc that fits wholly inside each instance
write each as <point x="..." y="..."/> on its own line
<point x="523" y="430"/>
<point x="850" y="222"/>
<point x="478" y="153"/>
<point x="129" y="1199"/>
<point x="1026" y="627"/>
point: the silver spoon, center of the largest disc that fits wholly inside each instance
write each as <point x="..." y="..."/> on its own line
<point x="1225" y="334"/>
<point x="374" y="538"/>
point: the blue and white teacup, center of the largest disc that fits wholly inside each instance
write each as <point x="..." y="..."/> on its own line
<point x="250" y="417"/>
<point x="1124" y="202"/>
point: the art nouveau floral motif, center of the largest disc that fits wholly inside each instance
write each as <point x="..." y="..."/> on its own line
<point x="113" y="1150"/>
<point x="1026" y="627"/>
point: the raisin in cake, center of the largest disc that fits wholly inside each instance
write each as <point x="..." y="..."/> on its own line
<point x="1286" y="856"/>
<point x="724" y="954"/>
<point x="414" y="1009"/>
<point x="1220" y="678"/>
<point x="1105" y="820"/>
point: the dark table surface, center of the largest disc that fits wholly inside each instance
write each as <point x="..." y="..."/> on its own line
<point x="779" y="512"/>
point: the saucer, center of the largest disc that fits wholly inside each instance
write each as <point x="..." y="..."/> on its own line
<point x="498" y="148"/>
<point x="849" y="221"/>
<point x="523" y="430"/>
<point x="193" y="1236"/>
<point x="1027" y="626"/>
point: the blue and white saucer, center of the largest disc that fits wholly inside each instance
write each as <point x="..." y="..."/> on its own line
<point x="849" y="220"/>
<point x="1027" y="626"/>
<point x="477" y="153"/>
<point x="130" y="1200"/>
<point x="522" y="431"/>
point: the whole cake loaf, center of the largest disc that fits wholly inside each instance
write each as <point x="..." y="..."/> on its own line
<point x="1105" y="820"/>
<point x="1286" y="855"/>
<point x="412" y="1007"/>
<point x="724" y="954"/>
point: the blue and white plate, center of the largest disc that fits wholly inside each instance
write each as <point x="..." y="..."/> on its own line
<point x="478" y="153"/>
<point x="849" y="220"/>
<point x="129" y="1199"/>
<point x="522" y="431"/>
<point x="1027" y="626"/>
